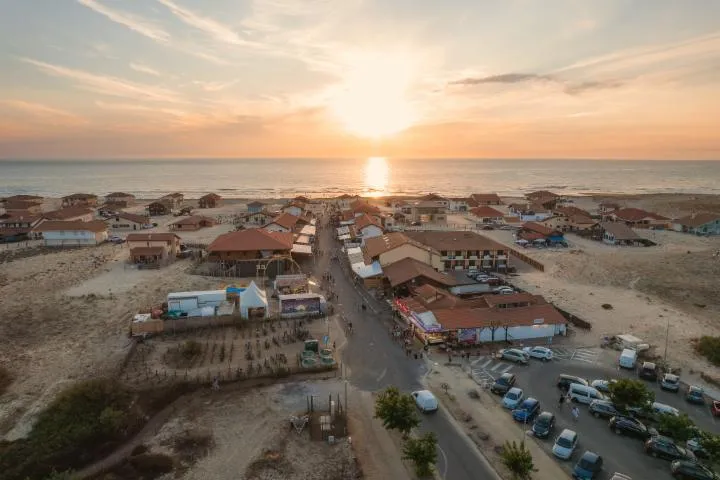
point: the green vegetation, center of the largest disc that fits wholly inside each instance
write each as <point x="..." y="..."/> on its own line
<point x="5" y="379"/>
<point x="518" y="459"/>
<point x="397" y="411"/>
<point x="630" y="393"/>
<point x="711" y="444"/>
<point x="679" y="427"/>
<point x="709" y="347"/>
<point x="191" y="349"/>
<point x="88" y="418"/>
<point x="422" y="451"/>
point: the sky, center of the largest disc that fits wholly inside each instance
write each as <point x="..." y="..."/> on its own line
<point x="615" y="79"/>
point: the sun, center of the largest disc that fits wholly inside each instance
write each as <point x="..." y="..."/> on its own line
<point x="373" y="100"/>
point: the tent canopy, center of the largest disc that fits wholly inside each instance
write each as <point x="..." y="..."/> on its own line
<point x="251" y="298"/>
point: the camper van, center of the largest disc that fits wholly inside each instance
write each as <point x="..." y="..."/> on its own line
<point x="628" y="358"/>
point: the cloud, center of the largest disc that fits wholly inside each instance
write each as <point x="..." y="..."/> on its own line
<point x="144" y="69"/>
<point x="213" y="28"/>
<point x="107" y="85"/>
<point x="214" y="86"/>
<point x="503" y="78"/>
<point x="136" y="24"/>
<point x="43" y="111"/>
<point x="570" y="88"/>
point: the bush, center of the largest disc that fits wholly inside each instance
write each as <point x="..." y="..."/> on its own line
<point x="396" y="410"/>
<point x="709" y="347"/>
<point x="191" y="349"/>
<point x="422" y="452"/>
<point x="518" y="459"/>
<point x="630" y="393"/>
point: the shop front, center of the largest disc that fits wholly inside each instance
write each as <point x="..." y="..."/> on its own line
<point x="423" y="325"/>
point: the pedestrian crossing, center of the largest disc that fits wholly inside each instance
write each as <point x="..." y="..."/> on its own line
<point x="586" y="354"/>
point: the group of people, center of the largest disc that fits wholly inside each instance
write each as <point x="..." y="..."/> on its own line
<point x="575" y="411"/>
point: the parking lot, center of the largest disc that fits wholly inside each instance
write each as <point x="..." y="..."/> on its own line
<point x="620" y="454"/>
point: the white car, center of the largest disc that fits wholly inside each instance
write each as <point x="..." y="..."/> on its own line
<point x="513" y="398"/>
<point x="425" y="401"/>
<point x="541" y="353"/>
<point x="504" y="291"/>
<point x="565" y="444"/>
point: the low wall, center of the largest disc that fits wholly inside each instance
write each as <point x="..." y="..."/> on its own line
<point x="578" y="322"/>
<point x="530" y="261"/>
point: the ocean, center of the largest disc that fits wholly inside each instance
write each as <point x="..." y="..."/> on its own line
<point x="375" y="176"/>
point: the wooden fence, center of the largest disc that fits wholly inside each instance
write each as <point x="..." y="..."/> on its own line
<point x="530" y="261"/>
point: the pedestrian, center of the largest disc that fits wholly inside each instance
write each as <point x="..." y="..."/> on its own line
<point x="561" y="402"/>
<point x="333" y="345"/>
<point x="575" y="413"/>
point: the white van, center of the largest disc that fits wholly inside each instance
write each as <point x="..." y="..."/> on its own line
<point x="628" y="357"/>
<point x="584" y="394"/>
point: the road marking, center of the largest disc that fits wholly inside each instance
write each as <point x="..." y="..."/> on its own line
<point x="486" y="363"/>
<point x="496" y="367"/>
<point x="506" y="369"/>
<point x="382" y="375"/>
<point x="445" y="461"/>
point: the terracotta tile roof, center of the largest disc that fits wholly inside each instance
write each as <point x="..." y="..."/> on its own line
<point x="529" y="236"/>
<point x="365" y="220"/>
<point x="194" y="220"/>
<point x="495" y="300"/>
<point x="348" y="215"/>
<point x="146" y="251"/>
<point x="544" y="194"/>
<point x="698" y="219"/>
<point x="582" y="220"/>
<point x="432" y="196"/>
<point x="427" y="204"/>
<point x="384" y="243"/>
<point x="80" y="196"/>
<point x="152" y="237"/>
<point x="24" y="198"/>
<point x="253" y="239"/>
<point x="636" y="214"/>
<point x="211" y="196"/>
<point x="427" y="297"/>
<point x="21" y="204"/>
<point x="620" y="231"/>
<point x="455" y="240"/>
<point x="408" y="268"/>
<point x="452" y="319"/>
<point x="19" y="218"/>
<point x="255" y="204"/>
<point x="142" y="219"/>
<point x="359" y="206"/>
<point x="570" y="211"/>
<point x="173" y="195"/>
<point x="285" y="220"/>
<point x="537" y="228"/>
<point x="486" y="212"/>
<point x="485" y="197"/>
<point x="65" y="213"/>
<point x="120" y="194"/>
<point x="59" y="226"/>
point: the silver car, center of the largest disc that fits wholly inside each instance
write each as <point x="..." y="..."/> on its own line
<point x="514" y="355"/>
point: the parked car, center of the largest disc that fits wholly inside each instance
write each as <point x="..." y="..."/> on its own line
<point x="687" y="470"/>
<point x="588" y="467"/>
<point x="503" y="383"/>
<point x="425" y="401"/>
<point x="504" y="290"/>
<point x="513" y="398"/>
<point x="632" y="427"/>
<point x="602" y="409"/>
<point x="696" y="448"/>
<point x="565" y="444"/>
<point x="527" y="410"/>
<point x="670" y="382"/>
<point x="514" y="355"/>
<point x="116" y="239"/>
<point x="541" y="353"/>
<point x="664" y="447"/>
<point x="602" y="385"/>
<point x="695" y="395"/>
<point x="544" y="425"/>
<point x="564" y="381"/>
<point x="482" y="278"/>
<point x="648" y="371"/>
<point x="657" y="409"/>
<point x="584" y="394"/>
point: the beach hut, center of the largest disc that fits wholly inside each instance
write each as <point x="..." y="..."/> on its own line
<point x="253" y="302"/>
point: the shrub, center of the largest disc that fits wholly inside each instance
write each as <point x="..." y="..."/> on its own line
<point x="709" y="347"/>
<point x="396" y="410"/>
<point x="518" y="459"/>
<point x="191" y="349"/>
<point x="422" y="452"/>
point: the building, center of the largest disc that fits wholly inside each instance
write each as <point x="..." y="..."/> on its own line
<point x="570" y="223"/>
<point x="255" y="207"/>
<point x="80" y="214"/>
<point x="396" y="246"/>
<point x="17" y="228"/>
<point x="480" y="199"/>
<point x="425" y="211"/>
<point x="253" y="252"/>
<point x="411" y="273"/>
<point x="344" y="201"/>
<point x="462" y="250"/>
<point x="537" y="233"/>
<point x="434" y="197"/>
<point x="284" y="222"/>
<point x="128" y="221"/>
<point x="80" y="200"/>
<point x="119" y="199"/>
<point x="152" y="247"/>
<point x="24" y="198"/>
<point x="617" y="233"/>
<point x="487" y="214"/>
<point x="192" y="223"/>
<point x="704" y="223"/>
<point x="607" y="207"/>
<point x="211" y="200"/>
<point x="294" y="208"/>
<point x="638" y="218"/>
<point x="367" y="227"/>
<point x="58" y="233"/>
<point x="458" y="204"/>
<point x="173" y="200"/>
<point x="158" y="209"/>
<point x="23" y="207"/>
<point x="257" y="218"/>
<point x="543" y="198"/>
<point x="360" y="207"/>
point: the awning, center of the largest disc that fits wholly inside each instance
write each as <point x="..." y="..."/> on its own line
<point x="343" y="231"/>
<point x="367" y="271"/>
<point x="307" y="230"/>
<point x="355" y="255"/>
<point x="303" y="239"/>
<point x="301" y="249"/>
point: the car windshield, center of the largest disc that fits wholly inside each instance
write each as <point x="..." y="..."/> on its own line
<point x="512" y="396"/>
<point x="671" y="380"/>
<point x="543" y="421"/>
<point x="586" y="464"/>
<point x="564" y="442"/>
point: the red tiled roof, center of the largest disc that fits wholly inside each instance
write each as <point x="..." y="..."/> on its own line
<point x="142" y="219"/>
<point x="253" y="239"/>
<point x="211" y="196"/>
<point x="485" y="197"/>
<point x="698" y="219"/>
<point x="194" y="220"/>
<point x="582" y="220"/>
<point x="486" y="212"/>
<point x="119" y="194"/>
<point x="537" y="228"/>
<point x="455" y="240"/>
<point x="432" y="196"/>
<point x="23" y="198"/>
<point x="453" y="319"/>
<point x="359" y="206"/>
<point x="152" y="237"/>
<point x="365" y="220"/>
<point x="80" y="196"/>
<point x="544" y="194"/>
<point x="495" y="300"/>
<point x="529" y="236"/>
<point x="620" y="231"/>
<point x="65" y="213"/>
<point x="384" y="243"/>
<point x="408" y="268"/>
<point x="635" y="214"/>
<point x="60" y="226"/>
<point x="285" y="220"/>
<point x="570" y="211"/>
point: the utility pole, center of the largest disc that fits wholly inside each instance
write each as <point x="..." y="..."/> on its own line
<point x="667" y="338"/>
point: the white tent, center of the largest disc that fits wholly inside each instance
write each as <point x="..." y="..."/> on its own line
<point x="253" y="298"/>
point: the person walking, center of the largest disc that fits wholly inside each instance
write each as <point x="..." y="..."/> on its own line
<point x="561" y="402"/>
<point x="575" y="413"/>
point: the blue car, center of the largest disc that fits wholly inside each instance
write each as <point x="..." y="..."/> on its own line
<point x="588" y="467"/>
<point x="527" y="410"/>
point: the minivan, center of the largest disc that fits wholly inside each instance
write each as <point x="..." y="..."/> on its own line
<point x="564" y="381"/>
<point x="584" y="394"/>
<point x="628" y="357"/>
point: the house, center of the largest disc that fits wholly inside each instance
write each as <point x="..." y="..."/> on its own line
<point x="359" y="207"/>
<point x="262" y="217"/>
<point x="284" y="222"/>
<point x="192" y="223"/>
<point x="425" y="211"/>
<point x="570" y="223"/>
<point x="392" y="247"/>
<point x="409" y="272"/>
<point x="24" y="198"/>
<point x="607" y="207"/>
<point x="23" y="207"/>
<point x="367" y="227"/>
<point x="128" y="221"/>
<point x="152" y="247"/>
<point x="434" y="197"/>
<point x="254" y="250"/>
<point x="80" y="214"/>
<point x="255" y="207"/>
<point x="458" y="204"/>
<point x="638" y="218"/>
<point x="157" y="209"/>
<point x="17" y="228"/>
<point x="487" y="214"/>
<point x="80" y="200"/>
<point x="294" y="208"/>
<point x="537" y="233"/>
<point x="173" y="200"/>
<point x="119" y="199"/>
<point x="462" y="250"/>
<point x="617" y="233"/>
<point x="543" y="198"/>
<point x="344" y="201"/>
<point x="567" y="211"/>
<point x="532" y="212"/>
<point x="481" y="199"/>
<point x="703" y="223"/>
<point x="211" y="200"/>
<point x="58" y="233"/>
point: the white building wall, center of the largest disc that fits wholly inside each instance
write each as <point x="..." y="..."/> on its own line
<point x="274" y="227"/>
<point x="73" y="238"/>
<point x="371" y="231"/>
<point x="520" y="333"/>
<point x="293" y="210"/>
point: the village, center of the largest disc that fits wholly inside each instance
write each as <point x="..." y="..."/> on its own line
<point x="226" y="295"/>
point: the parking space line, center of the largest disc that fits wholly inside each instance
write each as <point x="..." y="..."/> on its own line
<point x="484" y="365"/>
<point x="496" y="367"/>
<point x="506" y="369"/>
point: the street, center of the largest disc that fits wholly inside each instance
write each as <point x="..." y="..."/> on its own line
<point x="374" y="361"/>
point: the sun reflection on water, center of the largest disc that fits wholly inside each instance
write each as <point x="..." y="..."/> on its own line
<point x="377" y="174"/>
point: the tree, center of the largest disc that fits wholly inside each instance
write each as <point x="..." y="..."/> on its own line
<point x="518" y="459"/>
<point x="630" y="393"/>
<point x="711" y="444"/>
<point x="422" y="452"/>
<point x="678" y="427"/>
<point x="396" y="410"/>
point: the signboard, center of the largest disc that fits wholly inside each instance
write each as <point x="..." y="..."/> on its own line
<point x="300" y="305"/>
<point x="539" y="321"/>
<point x="326" y="339"/>
<point x="467" y="335"/>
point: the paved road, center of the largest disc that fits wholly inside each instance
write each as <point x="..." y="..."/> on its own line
<point x="375" y="362"/>
<point x="621" y="454"/>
